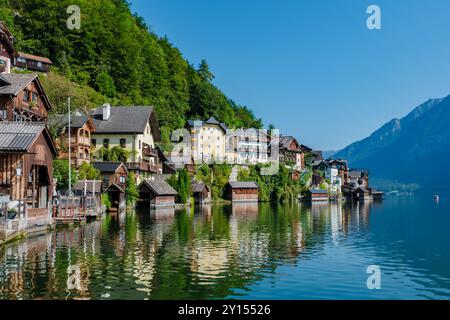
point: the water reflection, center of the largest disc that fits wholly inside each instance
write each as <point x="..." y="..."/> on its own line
<point x="208" y="251"/>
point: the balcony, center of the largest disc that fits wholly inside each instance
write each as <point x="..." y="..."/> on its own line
<point x="148" y="151"/>
<point x="142" y="166"/>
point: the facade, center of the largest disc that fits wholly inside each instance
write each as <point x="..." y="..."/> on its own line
<point x="248" y="146"/>
<point x="207" y="140"/>
<point x="156" y="193"/>
<point x="112" y="173"/>
<point x="242" y="191"/>
<point x="201" y="192"/>
<point x="7" y="51"/>
<point x="81" y="128"/>
<point x="133" y="128"/>
<point x="358" y="178"/>
<point x="316" y="195"/>
<point x="291" y="153"/>
<point x="26" y="169"/>
<point x="32" y="62"/>
<point x="22" y="98"/>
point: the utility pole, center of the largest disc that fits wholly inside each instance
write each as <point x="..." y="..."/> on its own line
<point x="70" y="156"/>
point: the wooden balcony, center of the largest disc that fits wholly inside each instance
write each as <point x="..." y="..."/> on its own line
<point x="148" y="151"/>
<point x="142" y="166"/>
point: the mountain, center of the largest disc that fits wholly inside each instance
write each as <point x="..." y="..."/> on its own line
<point x="412" y="150"/>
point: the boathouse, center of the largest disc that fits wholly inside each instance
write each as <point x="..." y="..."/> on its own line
<point x="112" y="173"/>
<point x="156" y="193"/>
<point x="201" y="192"/>
<point x="362" y="194"/>
<point x="316" y="195"/>
<point x="242" y="191"/>
<point x="26" y="170"/>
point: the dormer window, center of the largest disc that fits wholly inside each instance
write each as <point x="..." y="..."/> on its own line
<point x="26" y="95"/>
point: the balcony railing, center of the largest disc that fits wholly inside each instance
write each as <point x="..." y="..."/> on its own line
<point x="148" y="151"/>
<point x="142" y="166"/>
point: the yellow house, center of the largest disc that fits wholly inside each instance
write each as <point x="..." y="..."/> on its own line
<point x="207" y="140"/>
<point x="133" y="128"/>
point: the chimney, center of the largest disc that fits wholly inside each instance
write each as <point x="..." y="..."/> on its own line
<point x="106" y="111"/>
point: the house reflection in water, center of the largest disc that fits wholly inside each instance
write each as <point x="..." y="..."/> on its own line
<point x="162" y="213"/>
<point x="245" y="208"/>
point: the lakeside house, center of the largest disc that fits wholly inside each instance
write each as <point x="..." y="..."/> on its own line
<point x="22" y="98"/>
<point x="32" y="62"/>
<point x="201" y="192"/>
<point x="26" y="170"/>
<point x="134" y="129"/>
<point x="291" y="153"/>
<point x="247" y="146"/>
<point x="81" y="128"/>
<point x="156" y="193"/>
<point x="7" y="50"/>
<point x="207" y="140"/>
<point x="242" y="191"/>
<point x="316" y="195"/>
<point x="112" y="173"/>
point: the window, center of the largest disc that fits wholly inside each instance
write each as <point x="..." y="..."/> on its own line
<point x="26" y="95"/>
<point x="34" y="96"/>
<point x="39" y="64"/>
<point x="94" y="142"/>
<point x="122" y="179"/>
<point x="123" y="143"/>
<point x="21" y="60"/>
<point x="139" y="144"/>
<point x="106" y="143"/>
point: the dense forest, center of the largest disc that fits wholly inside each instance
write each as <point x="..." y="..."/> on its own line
<point x="115" y="57"/>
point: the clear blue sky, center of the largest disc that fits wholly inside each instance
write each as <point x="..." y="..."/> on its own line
<point x="312" y="68"/>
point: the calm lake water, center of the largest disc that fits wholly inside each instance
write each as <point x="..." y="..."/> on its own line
<point x="265" y="251"/>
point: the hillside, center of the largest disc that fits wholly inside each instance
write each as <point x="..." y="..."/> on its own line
<point x="411" y="150"/>
<point x="116" y="58"/>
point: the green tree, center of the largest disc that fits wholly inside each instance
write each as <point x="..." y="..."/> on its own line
<point x="88" y="172"/>
<point x="61" y="174"/>
<point x="131" y="191"/>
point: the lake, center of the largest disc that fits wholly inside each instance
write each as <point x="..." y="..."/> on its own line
<point x="243" y="251"/>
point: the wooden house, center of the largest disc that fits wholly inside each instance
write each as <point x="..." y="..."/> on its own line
<point x="22" y="98"/>
<point x="201" y="192"/>
<point x="81" y="128"/>
<point x="32" y="62"/>
<point x="7" y="51"/>
<point x="26" y="168"/>
<point x="242" y="191"/>
<point x="112" y="173"/>
<point x="291" y="153"/>
<point x="316" y="195"/>
<point x="156" y="193"/>
<point x="362" y="194"/>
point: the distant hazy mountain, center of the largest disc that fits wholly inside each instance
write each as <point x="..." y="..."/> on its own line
<point x="328" y="154"/>
<point x="411" y="150"/>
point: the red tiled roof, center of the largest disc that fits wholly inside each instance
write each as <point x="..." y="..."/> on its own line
<point x="35" y="58"/>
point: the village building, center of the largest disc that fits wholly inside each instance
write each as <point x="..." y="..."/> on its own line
<point x="242" y="191"/>
<point x="22" y="98"/>
<point x="358" y="178"/>
<point x="81" y="127"/>
<point x="330" y="171"/>
<point x="291" y="153"/>
<point x="112" y="173"/>
<point x="134" y="129"/>
<point x="207" y="140"/>
<point x="32" y="62"/>
<point x="316" y="195"/>
<point x="7" y="51"/>
<point x="201" y="192"/>
<point x="26" y="170"/>
<point x="247" y="146"/>
<point x="156" y="194"/>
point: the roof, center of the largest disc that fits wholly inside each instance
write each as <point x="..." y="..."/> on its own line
<point x="318" y="191"/>
<point x="20" y="136"/>
<point x="90" y="185"/>
<point x="285" y="142"/>
<point x="355" y="174"/>
<point x="63" y="120"/>
<point x="160" y="188"/>
<point x="35" y="58"/>
<point x="198" y="187"/>
<point x="243" y="184"/>
<point x="126" y="120"/>
<point x="210" y="121"/>
<point x="115" y="186"/>
<point x="17" y="82"/>
<point x="362" y="189"/>
<point x="107" y="166"/>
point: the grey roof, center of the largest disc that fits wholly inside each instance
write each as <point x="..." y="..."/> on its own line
<point x="355" y="174"/>
<point x="18" y="136"/>
<point x="79" y="186"/>
<point x="61" y="120"/>
<point x="198" y="187"/>
<point x="243" y="184"/>
<point x="17" y="82"/>
<point x="122" y="119"/>
<point x="106" y="166"/>
<point x="362" y="189"/>
<point x="161" y="188"/>
<point x="211" y="120"/>
<point x="285" y="141"/>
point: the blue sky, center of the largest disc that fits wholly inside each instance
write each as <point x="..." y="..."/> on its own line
<point x="312" y="68"/>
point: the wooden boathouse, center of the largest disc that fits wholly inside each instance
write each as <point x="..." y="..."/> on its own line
<point x="26" y="170"/>
<point x="201" y="192"/>
<point x="156" y="194"/>
<point x="242" y="191"/>
<point x="316" y="195"/>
